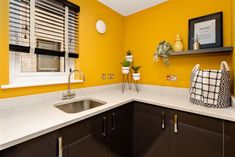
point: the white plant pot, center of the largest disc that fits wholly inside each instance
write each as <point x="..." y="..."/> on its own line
<point x="125" y="70"/>
<point x="129" y="58"/>
<point x="136" y="76"/>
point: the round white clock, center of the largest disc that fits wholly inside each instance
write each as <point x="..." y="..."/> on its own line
<point x="101" y="26"/>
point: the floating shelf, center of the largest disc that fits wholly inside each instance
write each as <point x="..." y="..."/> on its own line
<point x="204" y="51"/>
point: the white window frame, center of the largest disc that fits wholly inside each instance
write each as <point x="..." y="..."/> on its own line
<point x="19" y="78"/>
<point x="24" y="79"/>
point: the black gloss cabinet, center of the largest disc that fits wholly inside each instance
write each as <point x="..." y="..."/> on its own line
<point x="135" y="130"/>
<point x="106" y="135"/>
<point x="229" y="139"/>
<point x="160" y="132"/>
<point x="151" y="131"/>
<point x="43" y="146"/>
<point x="195" y="136"/>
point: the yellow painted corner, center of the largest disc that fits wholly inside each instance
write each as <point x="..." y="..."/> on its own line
<point x="144" y="30"/>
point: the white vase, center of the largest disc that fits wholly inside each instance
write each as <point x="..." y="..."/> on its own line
<point x="125" y="70"/>
<point x="136" y="76"/>
<point x="129" y="58"/>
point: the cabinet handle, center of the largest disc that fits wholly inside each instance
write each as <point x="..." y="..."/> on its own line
<point x="113" y="122"/>
<point x="104" y="127"/>
<point x="60" y="146"/>
<point x="163" y="120"/>
<point x="176" y="124"/>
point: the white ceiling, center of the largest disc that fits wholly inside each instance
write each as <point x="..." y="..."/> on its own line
<point x="128" y="7"/>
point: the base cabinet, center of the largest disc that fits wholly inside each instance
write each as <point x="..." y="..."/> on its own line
<point x="121" y="131"/>
<point x="195" y="136"/>
<point x="182" y="135"/>
<point x="85" y="138"/>
<point x="229" y="139"/>
<point x="43" y="146"/>
<point x="151" y="131"/>
<point x="104" y="135"/>
<point x="135" y="130"/>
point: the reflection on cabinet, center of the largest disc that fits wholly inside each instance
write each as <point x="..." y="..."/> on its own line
<point x="182" y="135"/>
<point x="104" y="135"/>
<point x="195" y="136"/>
<point x="151" y="131"/>
<point x="229" y="139"/>
<point x="121" y="131"/>
<point x="43" y="146"/>
<point x="85" y="138"/>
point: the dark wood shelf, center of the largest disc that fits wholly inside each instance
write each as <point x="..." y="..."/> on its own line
<point x="204" y="51"/>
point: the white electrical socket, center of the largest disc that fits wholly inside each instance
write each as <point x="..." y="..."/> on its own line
<point x="110" y="76"/>
<point x="103" y="76"/>
<point x="172" y="77"/>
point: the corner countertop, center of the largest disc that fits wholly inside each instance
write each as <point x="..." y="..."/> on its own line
<point x="27" y="117"/>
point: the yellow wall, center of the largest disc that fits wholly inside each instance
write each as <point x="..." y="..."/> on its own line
<point x="233" y="37"/>
<point x="144" y="30"/>
<point x="140" y="32"/>
<point x="98" y="53"/>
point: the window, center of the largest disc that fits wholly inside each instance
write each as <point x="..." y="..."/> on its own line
<point x="43" y="40"/>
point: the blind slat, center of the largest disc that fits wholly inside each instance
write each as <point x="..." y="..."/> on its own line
<point x="19" y="23"/>
<point x="49" y="38"/>
<point x="48" y="21"/>
<point x="49" y="33"/>
<point x="49" y="24"/>
<point x="43" y="25"/>
<point x="49" y="29"/>
<point x="43" y="13"/>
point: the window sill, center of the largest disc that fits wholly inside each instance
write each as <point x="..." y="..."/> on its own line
<point x="33" y="84"/>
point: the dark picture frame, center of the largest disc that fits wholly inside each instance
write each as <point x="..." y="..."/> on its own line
<point x="207" y="21"/>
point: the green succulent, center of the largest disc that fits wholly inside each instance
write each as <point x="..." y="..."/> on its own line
<point x="125" y="63"/>
<point x="129" y="53"/>
<point x="136" y="68"/>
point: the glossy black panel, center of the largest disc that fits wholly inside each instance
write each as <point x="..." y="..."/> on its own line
<point x="121" y="131"/>
<point x="229" y="139"/>
<point x="150" y="139"/>
<point x="196" y="136"/>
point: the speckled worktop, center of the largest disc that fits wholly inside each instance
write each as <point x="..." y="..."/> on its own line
<point x="24" y="118"/>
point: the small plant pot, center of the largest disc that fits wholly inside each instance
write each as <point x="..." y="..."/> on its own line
<point x="125" y="70"/>
<point x="136" y="76"/>
<point x="129" y="58"/>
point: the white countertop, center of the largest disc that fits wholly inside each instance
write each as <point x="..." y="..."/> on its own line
<point x="24" y="118"/>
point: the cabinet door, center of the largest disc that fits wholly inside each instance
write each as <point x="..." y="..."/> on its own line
<point x="121" y="131"/>
<point x="151" y="131"/>
<point x="87" y="138"/>
<point x="43" y="146"/>
<point x="195" y="136"/>
<point x="229" y="139"/>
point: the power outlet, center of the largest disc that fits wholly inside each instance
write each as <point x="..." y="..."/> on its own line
<point x="110" y="76"/>
<point x="171" y="77"/>
<point x="103" y="76"/>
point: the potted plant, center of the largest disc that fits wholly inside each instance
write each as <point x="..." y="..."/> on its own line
<point x="125" y="66"/>
<point x="136" y="74"/>
<point x="129" y="56"/>
<point x="164" y="50"/>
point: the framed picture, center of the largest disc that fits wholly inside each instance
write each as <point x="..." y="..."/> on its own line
<point x="208" y="29"/>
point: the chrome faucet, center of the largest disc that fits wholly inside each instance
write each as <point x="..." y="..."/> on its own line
<point x="69" y="94"/>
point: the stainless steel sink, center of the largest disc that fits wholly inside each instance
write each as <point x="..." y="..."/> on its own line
<point x="79" y="106"/>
